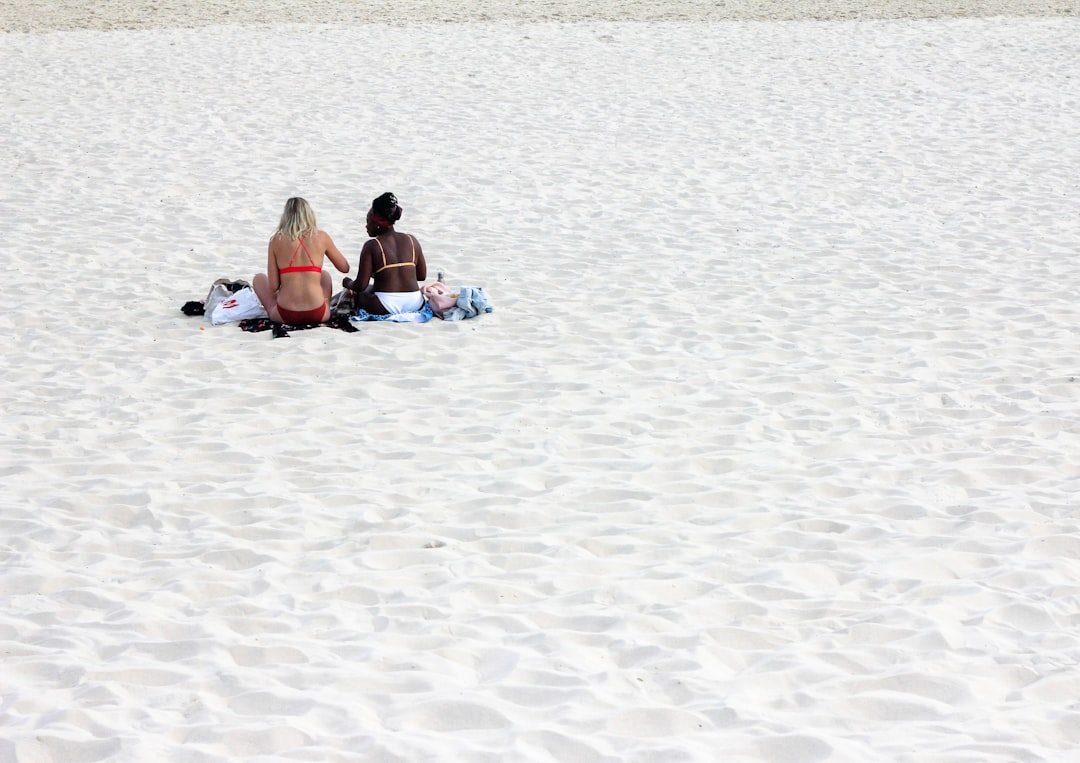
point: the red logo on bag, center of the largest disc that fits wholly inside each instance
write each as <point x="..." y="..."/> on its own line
<point x="229" y="304"/>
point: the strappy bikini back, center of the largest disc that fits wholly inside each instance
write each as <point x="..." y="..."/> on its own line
<point x="387" y="265"/>
<point x="312" y="268"/>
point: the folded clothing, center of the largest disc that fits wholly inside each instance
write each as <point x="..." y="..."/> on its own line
<point x="471" y="302"/>
<point x="466" y="302"/>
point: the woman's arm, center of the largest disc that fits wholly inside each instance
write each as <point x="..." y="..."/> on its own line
<point x="272" y="273"/>
<point x="334" y="254"/>
<point x="364" y="267"/>
<point x="421" y="263"/>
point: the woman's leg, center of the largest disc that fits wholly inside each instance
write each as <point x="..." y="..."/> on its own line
<point x="260" y="284"/>
<point x="363" y="299"/>
<point x="367" y="300"/>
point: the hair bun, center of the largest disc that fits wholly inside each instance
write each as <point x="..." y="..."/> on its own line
<point x="386" y="206"/>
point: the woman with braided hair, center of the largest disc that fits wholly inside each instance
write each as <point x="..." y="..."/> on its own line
<point x="394" y="260"/>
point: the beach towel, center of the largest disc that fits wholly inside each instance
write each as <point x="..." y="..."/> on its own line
<point x="423" y="315"/>
<point x="256" y="325"/>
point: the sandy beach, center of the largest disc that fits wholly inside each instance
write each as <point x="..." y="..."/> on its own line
<point x="768" y="452"/>
<point x="43" y="15"/>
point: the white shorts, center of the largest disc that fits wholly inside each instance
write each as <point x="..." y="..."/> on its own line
<point x="397" y="302"/>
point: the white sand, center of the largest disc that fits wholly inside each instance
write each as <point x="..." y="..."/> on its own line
<point x="768" y="453"/>
<point x="37" y="15"/>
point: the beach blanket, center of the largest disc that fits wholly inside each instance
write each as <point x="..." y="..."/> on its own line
<point x="255" y="325"/>
<point x="423" y="315"/>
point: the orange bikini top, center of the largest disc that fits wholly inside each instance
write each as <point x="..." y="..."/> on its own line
<point x="386" y="266"/>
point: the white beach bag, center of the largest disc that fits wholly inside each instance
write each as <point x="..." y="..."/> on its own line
<point x="221" y="290"/>
<point x="236" y="307"/>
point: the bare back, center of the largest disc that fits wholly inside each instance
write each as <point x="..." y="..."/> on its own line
<point x="294" y="268"/>
<point x="396" y="262"/>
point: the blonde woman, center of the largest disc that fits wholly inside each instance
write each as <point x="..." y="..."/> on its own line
<point x="294" y="289"/>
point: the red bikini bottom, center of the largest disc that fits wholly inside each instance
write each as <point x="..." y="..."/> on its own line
<point x="300" y="317"/>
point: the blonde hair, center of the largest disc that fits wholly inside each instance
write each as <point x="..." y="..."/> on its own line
<point x="297" y="220"/>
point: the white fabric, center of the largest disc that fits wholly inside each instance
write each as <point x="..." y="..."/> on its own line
<point x="397" y="302"/>
<point x="237" y="307"/>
